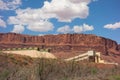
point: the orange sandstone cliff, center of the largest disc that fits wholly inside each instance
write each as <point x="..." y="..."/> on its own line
<point x="60" y="42"/>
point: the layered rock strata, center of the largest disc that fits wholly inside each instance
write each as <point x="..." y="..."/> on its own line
<point x="60" y="42"/>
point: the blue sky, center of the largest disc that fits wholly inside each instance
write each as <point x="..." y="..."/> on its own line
<point x="39" y="17"/>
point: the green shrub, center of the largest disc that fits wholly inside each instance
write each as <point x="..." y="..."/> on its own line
<point x="14" y="49"/>
<point x="19" y="48"/>
<point x="4" y="74"/>
<point x="93" y="71"/>
<point x="8" y="49"/>
<point x="114" y="77"/>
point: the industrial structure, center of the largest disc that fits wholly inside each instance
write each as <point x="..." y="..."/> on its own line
<point x="90" y="56"/>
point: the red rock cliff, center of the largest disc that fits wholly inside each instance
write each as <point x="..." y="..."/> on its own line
<point x="61" y="42"/>
<point x="119" y="47"/>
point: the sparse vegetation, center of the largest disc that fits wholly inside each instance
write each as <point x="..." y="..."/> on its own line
<point x="16" y="49"/>
<point x="3" y="74"/>
<point x="0" y="51"/>
<point x="26" y="68"/>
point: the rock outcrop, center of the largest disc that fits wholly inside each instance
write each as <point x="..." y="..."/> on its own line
<point x="60" y="42"/>
<point x="119" y="47"/>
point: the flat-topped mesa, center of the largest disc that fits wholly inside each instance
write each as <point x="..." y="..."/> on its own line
<point x="60" y="42"/>
<point x="19" y="38"/>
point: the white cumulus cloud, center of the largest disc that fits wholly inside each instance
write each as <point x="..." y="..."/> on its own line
<point x="67" y="10"/>
<point x="64" y="29"/>
<point x="9" y="4"/>
<point x="2" y="23"/>
<point x="18" y="29"/>
<point x="41" y="34"/>
<point x="113" y="26"/>
<point x="33" y="19"/>
<point x="75" y="29"/>
<point x="41" y="26"/>
<point x="87" y="27"/>
<point x="38" y="19"/>
<point x="82" y="28"/>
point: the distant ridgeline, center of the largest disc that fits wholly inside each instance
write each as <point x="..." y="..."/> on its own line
<point x="59" y="43"/>
<point x="26" y="48"/>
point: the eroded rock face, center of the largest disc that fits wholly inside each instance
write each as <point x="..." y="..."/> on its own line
<point x="119" y="47"/>
<point x="61" y="42"/>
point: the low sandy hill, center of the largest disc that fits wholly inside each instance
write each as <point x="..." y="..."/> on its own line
<point x="32" y="53"/>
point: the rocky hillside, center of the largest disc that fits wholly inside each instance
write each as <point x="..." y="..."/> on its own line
<point x="16" y="67"/>
<point x="60" y="42"/>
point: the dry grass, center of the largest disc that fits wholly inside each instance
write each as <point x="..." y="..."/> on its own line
<point x="49" y="69"/>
